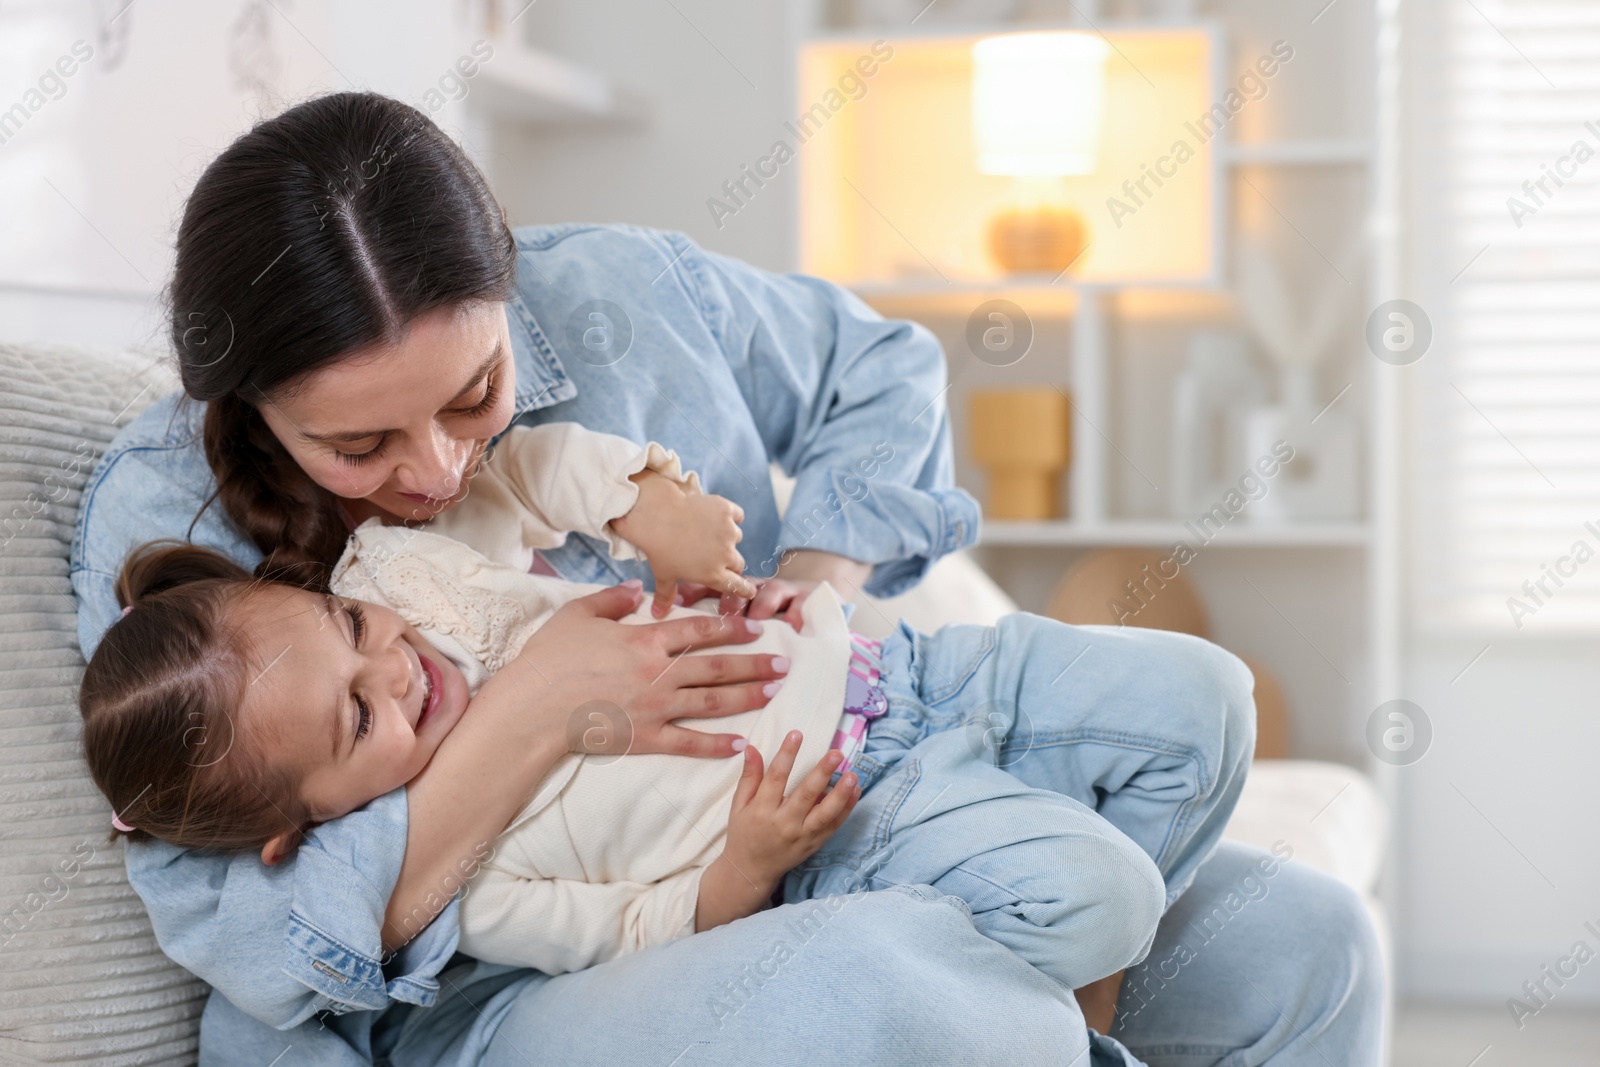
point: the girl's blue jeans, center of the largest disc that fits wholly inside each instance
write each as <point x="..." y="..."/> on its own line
<point x="1068" y="807"/>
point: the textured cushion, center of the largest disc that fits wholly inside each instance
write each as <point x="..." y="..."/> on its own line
<point x="81" y="978"/>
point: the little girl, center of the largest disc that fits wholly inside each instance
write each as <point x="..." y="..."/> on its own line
<point x="226" y="712"/>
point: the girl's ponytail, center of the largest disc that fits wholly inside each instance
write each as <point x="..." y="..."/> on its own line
<point x="160" y="702"/>
<point x="162" y="565"/>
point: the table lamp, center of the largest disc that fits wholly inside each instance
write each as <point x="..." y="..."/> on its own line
<point x="1037" y="104"/>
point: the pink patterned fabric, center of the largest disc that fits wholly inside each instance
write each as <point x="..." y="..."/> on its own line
<point x="864" y="699"/>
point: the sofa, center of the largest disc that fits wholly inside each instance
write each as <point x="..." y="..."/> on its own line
<point x="82" y="980"/>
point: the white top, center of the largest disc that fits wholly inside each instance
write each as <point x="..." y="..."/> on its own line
<point x="607" y="857"/>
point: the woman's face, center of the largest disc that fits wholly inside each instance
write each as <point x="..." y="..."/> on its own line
<point x="401" y="426"/>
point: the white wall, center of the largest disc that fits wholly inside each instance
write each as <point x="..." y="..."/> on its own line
<point x="707" y="120"/>
<point x="1517" y="734"/>
<point x="1502" y="858"/>
<point x="92" y="184"/>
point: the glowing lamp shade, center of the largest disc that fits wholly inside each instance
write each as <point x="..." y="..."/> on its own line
<point x="1037" y="101"/>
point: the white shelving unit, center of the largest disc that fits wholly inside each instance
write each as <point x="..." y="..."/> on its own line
<point x="1313" y="600"/>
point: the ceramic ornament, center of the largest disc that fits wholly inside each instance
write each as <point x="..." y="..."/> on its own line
<point x="1323" y="479"/>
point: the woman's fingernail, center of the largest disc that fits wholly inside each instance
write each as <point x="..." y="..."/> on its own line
<point x="834" y="758"/>
<point x="740" y="744"/>
<point x="780" y="664"/>
<point x="848" y="781"/>
<point x="633" y="583"/>
<point x="771" y="688"/>
<point x="752" y="626"/>
<point x="794" y="737"/>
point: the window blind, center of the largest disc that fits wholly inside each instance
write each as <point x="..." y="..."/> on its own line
<point x="1506" y="502"/>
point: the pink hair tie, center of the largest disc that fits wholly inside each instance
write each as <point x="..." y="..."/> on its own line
<point x="126" y="610"/>
<point x="120" y="825"/>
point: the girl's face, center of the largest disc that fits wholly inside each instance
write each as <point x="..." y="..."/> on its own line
<point x="402" y="426"/>
<point x="347" y="693"/>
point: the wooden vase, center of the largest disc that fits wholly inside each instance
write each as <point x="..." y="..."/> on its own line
<point x="1023" y="440"/>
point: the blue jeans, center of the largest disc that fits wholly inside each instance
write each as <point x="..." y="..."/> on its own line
<point x="898" y="978"/>
<point x="1067" y="812"/>
<point x="1140" y="727"/>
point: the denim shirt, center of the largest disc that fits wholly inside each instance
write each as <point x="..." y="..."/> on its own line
<point x="630" y="331"/>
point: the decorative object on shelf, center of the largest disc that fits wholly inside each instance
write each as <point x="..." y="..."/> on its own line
<point x="1129" y="587"/>
<point x="112" y="31"/>
<point x="254" y="57"/>
<point x="1037" y="104"/>
<point x="1323" y="480"/>
<point x="1272" y="713"/>
<point x="1023" y="440"/>
<point x="492" y="19"/>
<point x="1219" y="385"/>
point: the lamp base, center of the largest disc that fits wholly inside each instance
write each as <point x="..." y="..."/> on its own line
<point x="1036" y="240"/>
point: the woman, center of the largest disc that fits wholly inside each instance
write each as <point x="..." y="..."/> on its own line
<point x="358" y="325"/>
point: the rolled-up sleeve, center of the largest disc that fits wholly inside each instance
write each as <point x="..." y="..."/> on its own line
<point x="286" y="942"/>
<point x="850" y="404"/>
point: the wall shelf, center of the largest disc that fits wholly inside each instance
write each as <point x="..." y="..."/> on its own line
<point x="1165" y="533"/>
<point x="1330" y="152"/>
<point x="531" y="86"/>
<point x="1017" y="285"/>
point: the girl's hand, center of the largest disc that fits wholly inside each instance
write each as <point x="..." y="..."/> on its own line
<point x="685" y="538"/>
<point x="770" y="834"/>
<point x="775" y="598"/>
<point x="582" y="664"/>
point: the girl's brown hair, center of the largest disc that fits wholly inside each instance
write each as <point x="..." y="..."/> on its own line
<point x="160" y="701"/>
<point x="322" y="231"/>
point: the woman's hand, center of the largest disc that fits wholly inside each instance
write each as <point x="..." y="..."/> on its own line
<point x="614" y="688"/>
<point x="581" y="678"/>
<point x="686" y="538"/>
<point x="769" y="833"/>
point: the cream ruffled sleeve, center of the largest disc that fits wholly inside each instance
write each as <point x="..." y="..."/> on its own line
<point x="563" y="478"/>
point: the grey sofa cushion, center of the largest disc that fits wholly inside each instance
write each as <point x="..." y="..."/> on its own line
<point x="81" y="977"/>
